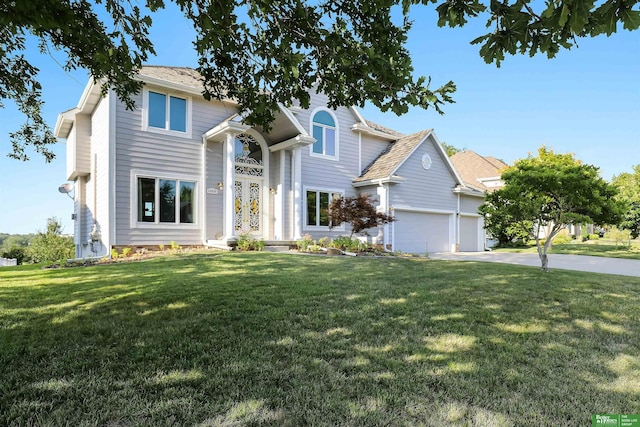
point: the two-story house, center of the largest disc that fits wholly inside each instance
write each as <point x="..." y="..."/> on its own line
<point x="183" y="169"/>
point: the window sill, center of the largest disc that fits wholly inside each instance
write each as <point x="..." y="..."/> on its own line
<point x="176" y="133"/>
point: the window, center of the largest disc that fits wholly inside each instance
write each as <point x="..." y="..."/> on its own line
<point x="318" y="207"/>
<point x="324" y="131"/>
<point x="167" y="113"/>
<point x="173" y="198"/>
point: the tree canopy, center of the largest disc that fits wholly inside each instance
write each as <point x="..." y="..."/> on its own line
<point x="628" y="185"/>
<point x="261" y="52"/>
<point x="551" y="191"/>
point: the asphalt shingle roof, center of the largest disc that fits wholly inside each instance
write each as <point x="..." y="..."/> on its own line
<point x="471" y="166"/>
<point x="181" y="75"/>
<point x="389" y="160"/>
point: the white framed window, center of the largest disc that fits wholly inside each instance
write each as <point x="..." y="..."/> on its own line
<point x="317" y="203"/>
<point x="166" y="113"/>
<point x="163" y="201"/>
<point x="324" y="128"/>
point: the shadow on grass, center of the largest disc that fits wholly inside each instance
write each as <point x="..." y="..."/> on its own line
<point x="248" y="339"/>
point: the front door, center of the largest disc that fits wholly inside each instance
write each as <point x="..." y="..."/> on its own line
<point x="248" y="205"/>
<point x="248" y="198"/>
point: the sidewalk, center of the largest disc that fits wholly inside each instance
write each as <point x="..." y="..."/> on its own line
<point x="624" y="267"/>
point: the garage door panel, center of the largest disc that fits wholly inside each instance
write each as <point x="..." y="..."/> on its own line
<point x="469" y="234"/>
<point x="417" y="232"/>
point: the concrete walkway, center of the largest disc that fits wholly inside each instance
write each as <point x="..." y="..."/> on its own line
<point x="594" y="264"/>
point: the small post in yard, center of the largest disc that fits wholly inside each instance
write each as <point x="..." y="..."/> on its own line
<point x="426" y="243"/>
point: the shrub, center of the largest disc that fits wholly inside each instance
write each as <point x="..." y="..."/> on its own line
<point x="161" y="247"/>
<point x="50" y="246"/>
<point x="594" y="236"/>
<point x="126" y="252"/>
<point x="621" y="237"/>
<point x="324" y="242"/>
<point x="358" y="211"/>
<point x="174" y="245"/>
<point x="562" y="239"/>
<point x="246" y="242"/>
<point x="349" y="244"/>
<point x="114" y="253"/>
<point x="304" y="243"/>
<point x="19" y="253"/>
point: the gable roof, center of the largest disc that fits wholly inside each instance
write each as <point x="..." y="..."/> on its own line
<point x="473" y="167"/>
<point x="392" y="157"/>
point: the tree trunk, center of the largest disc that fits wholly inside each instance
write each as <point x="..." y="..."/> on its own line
<point x="545" y="262"/>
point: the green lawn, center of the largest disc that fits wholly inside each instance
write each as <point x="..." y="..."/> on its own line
<point x="603" y="248"/>
<point x="278" y="339"/>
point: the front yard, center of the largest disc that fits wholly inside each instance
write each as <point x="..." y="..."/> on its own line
<point x="278" y="339"/>
<point x="604" y="248"/>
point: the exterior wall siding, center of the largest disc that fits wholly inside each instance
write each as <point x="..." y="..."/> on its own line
<point x="162" y="155"/>
<point x="470" y="204"/>
<point x="425" y="189"/>
<point x="320" y="173"/>
<point x="371" y="149"/>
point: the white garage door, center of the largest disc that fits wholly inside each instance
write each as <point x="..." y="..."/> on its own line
<point x="420" y="233"/>
<point x="469" y="234"/>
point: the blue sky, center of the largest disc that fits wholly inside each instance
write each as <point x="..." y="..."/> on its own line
<point x="585" y="101"/>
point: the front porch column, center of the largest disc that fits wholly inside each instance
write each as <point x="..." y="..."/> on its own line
<point x="296" y="168"/>
<point x="229" y="174"/>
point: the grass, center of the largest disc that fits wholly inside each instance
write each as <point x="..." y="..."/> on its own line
<point x="276" y="339"/>
<point x="603" y="248"/>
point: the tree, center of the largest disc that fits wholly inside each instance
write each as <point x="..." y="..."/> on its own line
<point x="50" y="246"/>
<point x="264" y="52"/>
<point x="628" y="185"/>
<point x="450" y="149"/>
<point x="358" y="211"/>
<point x="552" y="191"/>
<point x="500" y="223"/>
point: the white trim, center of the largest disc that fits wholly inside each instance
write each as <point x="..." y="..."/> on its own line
<point x="297" y="141"/>
<point x="388" y="180"/>
<point x="469" y="214"/>
<point x="336" y="156"/>
<point x="305" y="226"/>
<point x="424" y="210"/>
<point x="447" y="159"/>
<point x="296" y="169"/>
<point x="363" y="127"/>
<point x="133" y="200"/>
<point x="359" y="153"/>
<point x="166" y="131"/>
<point x="295" y="122"/>
<point x="358" y="115"/>
<point x="111" y="177"/>
<point x="278" y="200"/>
<point x="222" y="129"/>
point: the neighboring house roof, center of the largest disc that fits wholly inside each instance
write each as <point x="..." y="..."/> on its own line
<point x="392" y="157"/>
<point x="475" y="169"/>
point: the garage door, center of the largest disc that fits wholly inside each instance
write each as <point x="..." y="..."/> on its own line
<point x="419" y="233"/>
<point x="469" y="234"/>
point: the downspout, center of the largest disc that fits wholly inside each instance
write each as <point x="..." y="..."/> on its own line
<point x="203" y="192"/>
<point x="457" y="224"/>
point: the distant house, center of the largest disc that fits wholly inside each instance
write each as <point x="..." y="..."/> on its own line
<point x="481" y="173"/>
<point x="183" y="169"/>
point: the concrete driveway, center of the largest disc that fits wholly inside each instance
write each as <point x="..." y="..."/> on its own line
<point x="624" y="267"/>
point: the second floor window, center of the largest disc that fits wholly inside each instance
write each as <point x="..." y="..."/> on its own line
<point x="167" y="112"/>
<point x="324" y="131"/>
